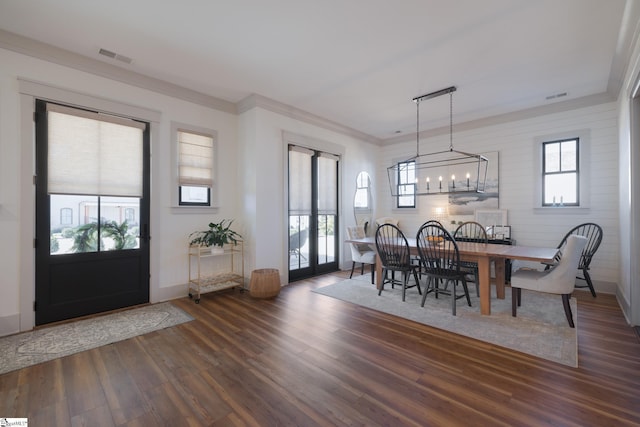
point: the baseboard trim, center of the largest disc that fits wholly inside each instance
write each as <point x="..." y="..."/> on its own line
<point x="9" y="324"/>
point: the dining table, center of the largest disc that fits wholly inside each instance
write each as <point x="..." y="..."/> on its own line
<point x="483" y="254"/>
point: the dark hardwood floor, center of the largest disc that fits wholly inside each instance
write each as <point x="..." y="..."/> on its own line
<point x="305" y="359"/>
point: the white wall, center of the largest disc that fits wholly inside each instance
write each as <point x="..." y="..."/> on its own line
<point x="629" y="202"/>
<point x="252" y="180"/>
<point x="265" y="175"/>
<point x="170" y="226"/>
<point x="515" y="142"/>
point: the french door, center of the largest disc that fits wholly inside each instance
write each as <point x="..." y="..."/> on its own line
<point x="92" y="212"/>
<point x="313" y="212"/>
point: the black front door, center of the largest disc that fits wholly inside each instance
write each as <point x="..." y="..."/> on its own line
<point x="92" y="212"/>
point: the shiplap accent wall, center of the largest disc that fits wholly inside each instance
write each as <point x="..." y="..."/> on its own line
<point x="516" y="144"/>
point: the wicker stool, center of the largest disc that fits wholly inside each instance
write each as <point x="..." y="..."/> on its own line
<point x="265" y="283"/>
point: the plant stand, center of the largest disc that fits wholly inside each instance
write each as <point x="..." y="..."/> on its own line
<point x="231" y="276"/>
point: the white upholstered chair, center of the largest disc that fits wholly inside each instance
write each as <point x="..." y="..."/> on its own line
<point x="560" y="279"/>
<point x="386" y="220"/>
<point x="361" y="253"/>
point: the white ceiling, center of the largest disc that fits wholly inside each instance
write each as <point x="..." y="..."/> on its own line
<point x="355" y="62"/>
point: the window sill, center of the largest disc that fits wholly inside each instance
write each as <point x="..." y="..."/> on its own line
<point x="193" y="209"/>
<point x="562" y="210"/>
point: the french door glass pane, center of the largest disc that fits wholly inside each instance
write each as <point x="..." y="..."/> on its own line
<point x="326" y="239"/>
<point x="298" y="241"/>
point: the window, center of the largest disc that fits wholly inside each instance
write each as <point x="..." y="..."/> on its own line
<point x="406" y="182"/>
<point x="195" y="167"/>
<point x="66" y="216"/>
<point x="130" y="215"/>
<point x="560" y="173"/>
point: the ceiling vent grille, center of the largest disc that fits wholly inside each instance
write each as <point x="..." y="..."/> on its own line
<point x="556" y="95"/>
<point x="115" y="56"/>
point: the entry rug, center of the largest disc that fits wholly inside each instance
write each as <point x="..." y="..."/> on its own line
<point x="41" y="345"/>
<point x="540" y="329"/>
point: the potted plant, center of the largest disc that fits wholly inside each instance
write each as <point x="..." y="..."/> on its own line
<point x="218" y="235"/>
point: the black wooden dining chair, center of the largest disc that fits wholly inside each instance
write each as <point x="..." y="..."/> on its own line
<point x="593" y="233"/>
<point x="440" y="259"/>
<point x="394" y="256"/>
<point x="471" y="231"/>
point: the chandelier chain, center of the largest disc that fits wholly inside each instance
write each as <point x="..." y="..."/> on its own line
<point x="417" y="128"/>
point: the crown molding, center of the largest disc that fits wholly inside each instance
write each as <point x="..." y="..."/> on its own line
<point x="259" y="101"/>
<point x="529" y="113"/>
<point x="627" y="39"/>
<point x="47" y="52"/>
<point x="23" y="45"/>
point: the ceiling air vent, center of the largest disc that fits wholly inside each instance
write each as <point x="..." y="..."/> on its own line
<point x="556" y="95"/>
<point x="115" y="56"/>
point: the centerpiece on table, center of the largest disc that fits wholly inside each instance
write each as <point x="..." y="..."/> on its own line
<point x="218" y="235"/>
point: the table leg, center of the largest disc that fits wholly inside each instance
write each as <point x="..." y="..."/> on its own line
<point x="500" y="277"/>
<point x="484" y="275"/>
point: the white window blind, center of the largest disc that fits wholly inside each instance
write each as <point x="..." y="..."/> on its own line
<point x="327" y="184"/>
<point x="195" y="160"/>
<point x="92" y="153"/>
<point x="299" y="181"/>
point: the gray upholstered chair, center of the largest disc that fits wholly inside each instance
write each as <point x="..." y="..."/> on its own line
<point x="593" y="233"/>
<point x="386" y="220"/>
<point x="559" y="279"/>
<point x="361" y="253"/>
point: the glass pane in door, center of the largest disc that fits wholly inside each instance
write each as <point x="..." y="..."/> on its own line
<point x="326" y="239"/>
<point x="74" y="223"/>
<point x="298" y="241"/>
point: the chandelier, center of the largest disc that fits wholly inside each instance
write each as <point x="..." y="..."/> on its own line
<point x="441" y="172"/>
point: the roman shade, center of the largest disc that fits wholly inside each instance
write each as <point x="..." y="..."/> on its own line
<point x="195" y="159"/>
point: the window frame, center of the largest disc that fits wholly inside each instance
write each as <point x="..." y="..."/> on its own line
<point x="213" y="190"/>
<point x="399" y="183"/>
<point x="585" y="173"/>
<point x="561" y="171"/>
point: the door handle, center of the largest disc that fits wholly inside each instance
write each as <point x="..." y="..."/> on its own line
<point x="144" y="235"/>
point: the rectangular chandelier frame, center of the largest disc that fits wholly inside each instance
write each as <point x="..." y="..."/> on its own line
<point x="441" y="172"/>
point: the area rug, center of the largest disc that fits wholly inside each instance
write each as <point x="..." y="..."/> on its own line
<point x="29" y="348"/>
<point x="540" y="329"/>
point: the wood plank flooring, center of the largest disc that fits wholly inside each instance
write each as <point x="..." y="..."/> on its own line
<point x="305" y="359"/>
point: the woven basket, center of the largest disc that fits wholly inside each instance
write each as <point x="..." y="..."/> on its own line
<point x="265" y="283"/>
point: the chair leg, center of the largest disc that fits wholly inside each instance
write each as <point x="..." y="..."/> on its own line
<point x="361" y="268"/>
<point x="373" y="274"/>
<point x="415" y="276"/>
<point x="424" y="296"/>
<point x="514" y="300"/>
<point x="384" y="276"/>
<point x="567" y="309"/>
<point x="353" y="265"/>
<point x="466" y="290"/>
<point x="587" y="278"/>
<point x="519" y="297"/>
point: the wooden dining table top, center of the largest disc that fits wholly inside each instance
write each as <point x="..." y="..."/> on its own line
<point x="483" y="254"/>
<point x="492" y="250"/>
